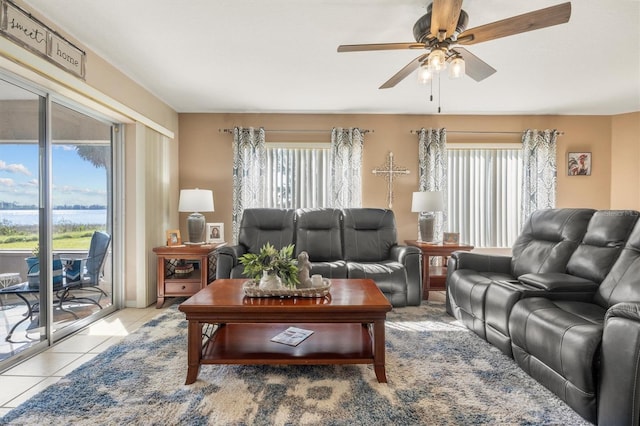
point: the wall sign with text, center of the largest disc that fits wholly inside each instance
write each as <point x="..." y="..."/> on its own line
<point x="19" y="26"/>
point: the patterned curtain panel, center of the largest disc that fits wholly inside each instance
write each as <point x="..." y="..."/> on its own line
<point x="539" y="180"/>
<point x="249" y="165"/>
<point x="346" y="168"/>
<point x="432" y="167"/>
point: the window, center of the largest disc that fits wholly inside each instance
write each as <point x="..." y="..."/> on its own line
<point x="297" y="175"/>
<point x="484" y="199"/>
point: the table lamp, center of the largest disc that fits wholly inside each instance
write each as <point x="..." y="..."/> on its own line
<point x="195" y="201"/>
<point x="426" y="204"/>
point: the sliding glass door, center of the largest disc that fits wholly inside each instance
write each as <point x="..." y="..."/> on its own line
<point x="81" y="171"/>
<point x="56" y="226"/>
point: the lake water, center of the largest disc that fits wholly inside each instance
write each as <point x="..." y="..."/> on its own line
<point x="30" y="217"/>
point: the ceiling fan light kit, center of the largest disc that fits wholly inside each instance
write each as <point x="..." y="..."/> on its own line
<point x="442" y="31"/>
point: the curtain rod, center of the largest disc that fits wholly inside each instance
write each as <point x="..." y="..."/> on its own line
<point x="481" y="132"/>
<point x="294" y="131"/>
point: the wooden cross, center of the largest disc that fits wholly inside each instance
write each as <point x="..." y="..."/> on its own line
<point x="389" y="170"/>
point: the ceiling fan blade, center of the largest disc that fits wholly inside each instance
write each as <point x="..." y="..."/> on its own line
<point x="378" y="46"/>
<point x="405" y="71"/>
<point x="535" y="20"/>
<point x="444" y="17"/>
<point x="474" y="67"/>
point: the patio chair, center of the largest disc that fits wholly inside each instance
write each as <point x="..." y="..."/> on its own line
<point x="86" y="273"/>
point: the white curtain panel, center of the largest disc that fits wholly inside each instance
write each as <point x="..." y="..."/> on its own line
<point x="346" y="168"/>
<point x="539" y="179"/>
<point x="249" y="166"/>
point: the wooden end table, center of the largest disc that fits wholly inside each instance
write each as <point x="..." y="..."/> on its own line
<point x="435" y="278"/>
<point x="171" y="284"/>
<point x="227" y="327"/>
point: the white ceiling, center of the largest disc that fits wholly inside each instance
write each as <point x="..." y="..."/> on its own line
<point x="280" y="55"/>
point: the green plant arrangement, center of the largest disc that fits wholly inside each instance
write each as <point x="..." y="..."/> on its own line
<point x="278" y="262"/>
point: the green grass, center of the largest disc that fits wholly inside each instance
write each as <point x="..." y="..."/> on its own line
<point x="68" y="240"/>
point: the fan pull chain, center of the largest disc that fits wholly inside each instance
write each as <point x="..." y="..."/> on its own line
<point x="439" y="97"/>
<point x="431" y="90"/>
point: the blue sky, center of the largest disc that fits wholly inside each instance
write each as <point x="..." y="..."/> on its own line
<point x="75" y="181"/>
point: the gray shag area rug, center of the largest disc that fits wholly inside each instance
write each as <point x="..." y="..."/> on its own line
<point x="439" y="373"/>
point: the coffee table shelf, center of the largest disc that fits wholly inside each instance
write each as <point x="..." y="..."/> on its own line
<point x="251" y="344"/>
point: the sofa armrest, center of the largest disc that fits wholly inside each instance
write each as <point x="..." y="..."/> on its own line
<point x="479" y="262"/>
<point x="619" y="387"/>
<point x="411" y="258"/>
<point x="227" y="259"/>
<point x="558" y="282"/>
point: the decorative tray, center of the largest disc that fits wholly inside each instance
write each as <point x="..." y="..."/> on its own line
<point x="251" y="289"/>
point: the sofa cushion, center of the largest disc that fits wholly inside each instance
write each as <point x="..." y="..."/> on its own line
<point x="261" y="226"/>
<point x="335" y="269"/>
<point x="548" y="239"/>
<point x="557" y="343"/>
<point x="606" y="235"/>
<point x="319" y="233"/>
<point x="369" y="234"/>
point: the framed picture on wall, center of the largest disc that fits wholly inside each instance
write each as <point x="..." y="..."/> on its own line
<point x="215" y="232"/>
<point x="579" y="164"/>
<point x="173" y="237"/>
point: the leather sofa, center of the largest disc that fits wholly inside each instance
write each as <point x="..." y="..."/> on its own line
<point x="347" y="243"/>
<point x="565" y="306"/>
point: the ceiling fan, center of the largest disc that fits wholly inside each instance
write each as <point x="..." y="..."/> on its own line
<point x="442" y="30"/>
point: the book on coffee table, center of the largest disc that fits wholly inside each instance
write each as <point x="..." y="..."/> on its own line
<point x="292" y="336"/>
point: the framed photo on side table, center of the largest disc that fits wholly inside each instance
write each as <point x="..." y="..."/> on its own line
<point x="215" y="232"/>
<point x="451" y="238"/>
<point x="173" y="237"/>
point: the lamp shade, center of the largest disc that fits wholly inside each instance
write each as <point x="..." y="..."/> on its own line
<point x="427" y="201"/>
<point x="196" y="200"/>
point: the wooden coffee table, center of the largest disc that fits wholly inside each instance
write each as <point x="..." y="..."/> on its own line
<point x="227" y="327"/>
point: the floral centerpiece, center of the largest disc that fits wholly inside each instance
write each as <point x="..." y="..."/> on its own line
<point x="272" y="262"/>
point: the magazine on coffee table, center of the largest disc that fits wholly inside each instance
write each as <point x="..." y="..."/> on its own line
<point x="292" y="336"/>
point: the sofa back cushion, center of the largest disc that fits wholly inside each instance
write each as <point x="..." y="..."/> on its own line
<point x="622" y="283"/>
<point x="606" y="236"/>
<point x="548" y="239"/>
<point x="369" y="234"/>
<point x="261" y="226"/>
<point x="319" y="233"/>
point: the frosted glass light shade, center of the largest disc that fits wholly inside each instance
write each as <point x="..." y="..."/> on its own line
<point x="456" y="67"/>
<point x="424" y="74"/>
<point x="437" y="60"/>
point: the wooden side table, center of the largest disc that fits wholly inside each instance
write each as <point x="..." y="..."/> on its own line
<point x="434" y="278"/>
<point x="171" y="284"/>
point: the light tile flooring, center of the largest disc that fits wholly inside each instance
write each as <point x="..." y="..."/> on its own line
<point x="26" y="379"/>
<point x="35" y="374"/>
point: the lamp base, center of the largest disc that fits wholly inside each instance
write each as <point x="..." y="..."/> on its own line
<point x="426" y="225"/>
<point x="195" y="228"/>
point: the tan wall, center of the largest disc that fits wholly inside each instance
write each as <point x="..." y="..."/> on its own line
<point x="206" y="153"/>
<point x="625" y="161"/>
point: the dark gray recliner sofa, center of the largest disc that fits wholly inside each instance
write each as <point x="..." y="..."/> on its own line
<point x="348" y="243"/>
<point x="571" y="317"/>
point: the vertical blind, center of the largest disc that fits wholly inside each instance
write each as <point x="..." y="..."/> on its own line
<point x="297" y="177"/>
<point x="484" y="197"/>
